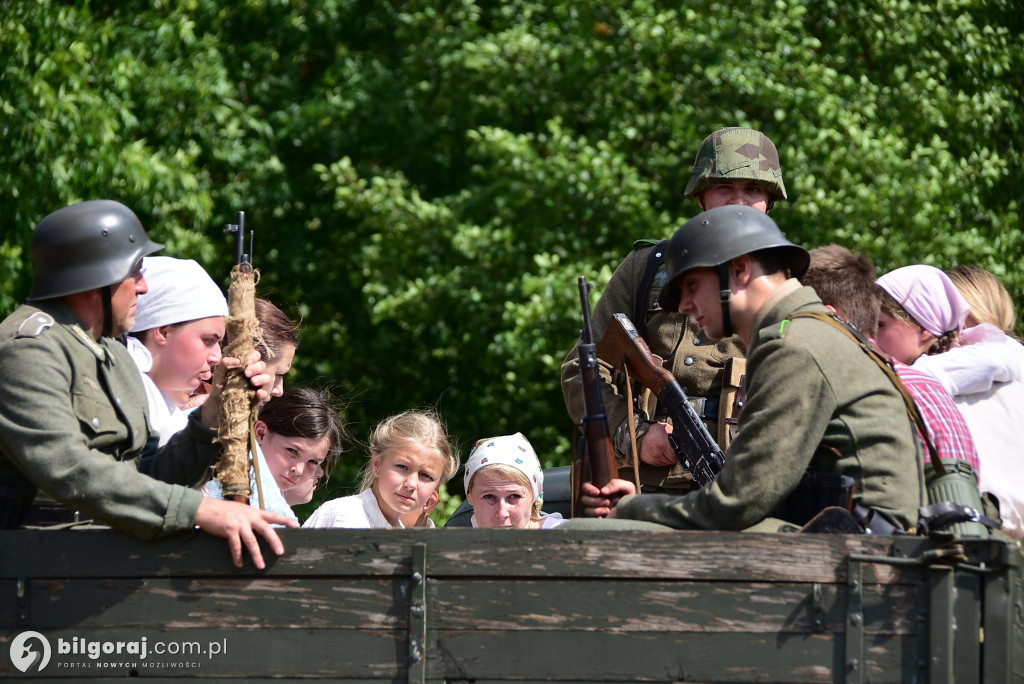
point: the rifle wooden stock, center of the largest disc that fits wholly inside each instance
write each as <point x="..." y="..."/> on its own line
<point x="597" y="462"/>
<point x="623" y="348"/>
<point x="696" y="450"/>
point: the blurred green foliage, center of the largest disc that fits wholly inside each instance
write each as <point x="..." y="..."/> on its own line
<point x="427" y="179"/>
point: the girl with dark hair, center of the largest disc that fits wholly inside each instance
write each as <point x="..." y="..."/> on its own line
<point x="298" y="439"/>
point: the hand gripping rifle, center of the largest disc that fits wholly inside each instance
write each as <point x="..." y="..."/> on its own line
<point x="597" y="463"/>
<point x="696" y="450"/>
<point x="238" y="400"/>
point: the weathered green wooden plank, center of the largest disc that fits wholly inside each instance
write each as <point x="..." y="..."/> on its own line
<point x="216" y="603"/>
<point x="489" y="655"/>
<point x="661" y="657"/>
<point x="378" y="604"/>
<point x="697" y="555"/>
<point x="260" y="653"/>
<point x="683" y="607"/>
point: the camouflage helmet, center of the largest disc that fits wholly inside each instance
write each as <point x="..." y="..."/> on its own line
<point x="718" y="236"/>
<point x="737" y="154"/>
<point x="85" y="246"/>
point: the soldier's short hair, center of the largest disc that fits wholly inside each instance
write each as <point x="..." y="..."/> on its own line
<point x="846" y="280"/>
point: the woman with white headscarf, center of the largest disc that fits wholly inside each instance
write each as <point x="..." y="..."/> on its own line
<point x="505" y="485"/>
<point x="923" y="319"/>
<point x="176" y="338"/>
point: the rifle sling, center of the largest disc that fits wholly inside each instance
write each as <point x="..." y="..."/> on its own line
<point x="654" y="262"/>
<point x="632" y="430"/>
<point x="883" y="363"/>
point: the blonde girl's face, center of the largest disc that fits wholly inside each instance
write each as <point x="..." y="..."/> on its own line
<point x="405" y="477"/>
<point x="499" y="501"/>
<point x="295" y="462"/>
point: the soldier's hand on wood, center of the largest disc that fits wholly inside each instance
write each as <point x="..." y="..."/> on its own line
<point x="240" y="523"/>
<point x="654" y="446"/>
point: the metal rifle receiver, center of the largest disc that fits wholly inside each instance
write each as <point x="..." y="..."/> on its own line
<point x="696" y="450"/>
<point x="241" y="258"/>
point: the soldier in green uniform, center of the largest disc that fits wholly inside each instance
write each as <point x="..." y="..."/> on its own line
<point x="815" y="402"/>
<point x="733" y="166"/>
<point x="73" y="421"/>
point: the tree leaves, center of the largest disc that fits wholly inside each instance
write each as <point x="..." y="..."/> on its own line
<point x="427" y="180"/>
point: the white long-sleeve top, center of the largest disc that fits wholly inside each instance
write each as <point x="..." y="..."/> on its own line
<point x="986" y="380"/>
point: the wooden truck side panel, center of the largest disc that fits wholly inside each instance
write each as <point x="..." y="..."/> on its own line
<point x="492" y="606"/>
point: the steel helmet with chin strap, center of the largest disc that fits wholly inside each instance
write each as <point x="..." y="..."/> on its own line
<point x="86" y="246"/>
<point x="716" y="237"/>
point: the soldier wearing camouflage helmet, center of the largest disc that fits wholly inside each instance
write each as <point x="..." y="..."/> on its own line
<point x="732" y="166"/>
<point x="74" y="430"/>
<point x="738" y="161"/>
<point x="817" y="407"/>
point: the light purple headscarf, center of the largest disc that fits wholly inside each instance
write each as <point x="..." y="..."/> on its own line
<point x="929" y="296"/>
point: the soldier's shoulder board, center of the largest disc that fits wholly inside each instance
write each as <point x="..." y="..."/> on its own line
<point x="646" y="242"/>
<point x="35" y="325"/>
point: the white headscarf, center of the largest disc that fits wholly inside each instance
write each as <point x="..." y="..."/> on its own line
<point x="511" y="450"/>
<point x="180" y="290"/>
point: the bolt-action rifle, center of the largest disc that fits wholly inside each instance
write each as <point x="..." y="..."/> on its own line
<point x="597" y="462"/>
<point x="696" y="450"/>
<point x="238" y="406"/>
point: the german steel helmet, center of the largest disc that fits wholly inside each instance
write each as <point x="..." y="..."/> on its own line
<point x="719" y="235"/>
<point x="737" y="154"/>
<point x="85" y="246"/>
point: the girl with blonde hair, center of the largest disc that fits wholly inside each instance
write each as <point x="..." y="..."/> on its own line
<point x="410" y="457"/>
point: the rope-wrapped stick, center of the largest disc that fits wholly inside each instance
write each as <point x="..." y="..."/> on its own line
<point x="238" y="404"/>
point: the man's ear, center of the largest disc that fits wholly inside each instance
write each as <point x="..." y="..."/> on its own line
<point x="741" y="269"/>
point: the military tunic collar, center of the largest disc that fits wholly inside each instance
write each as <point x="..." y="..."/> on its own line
<point x="57" y="311"/>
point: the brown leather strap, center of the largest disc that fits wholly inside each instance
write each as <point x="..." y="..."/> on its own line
<point x="632" y="430"/>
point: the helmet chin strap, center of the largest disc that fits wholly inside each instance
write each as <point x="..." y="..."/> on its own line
<point x="106" y="294"/>
<point x="723" y="297"/>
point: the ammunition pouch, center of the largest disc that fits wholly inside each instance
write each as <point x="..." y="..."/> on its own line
<point x="954" y="502"/>
<point x="815" y="493"/>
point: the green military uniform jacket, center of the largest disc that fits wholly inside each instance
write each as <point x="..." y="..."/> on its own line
<point x="73" y="425"/>
<point x="696" y="362"/>
<point x="814" y="398"/>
